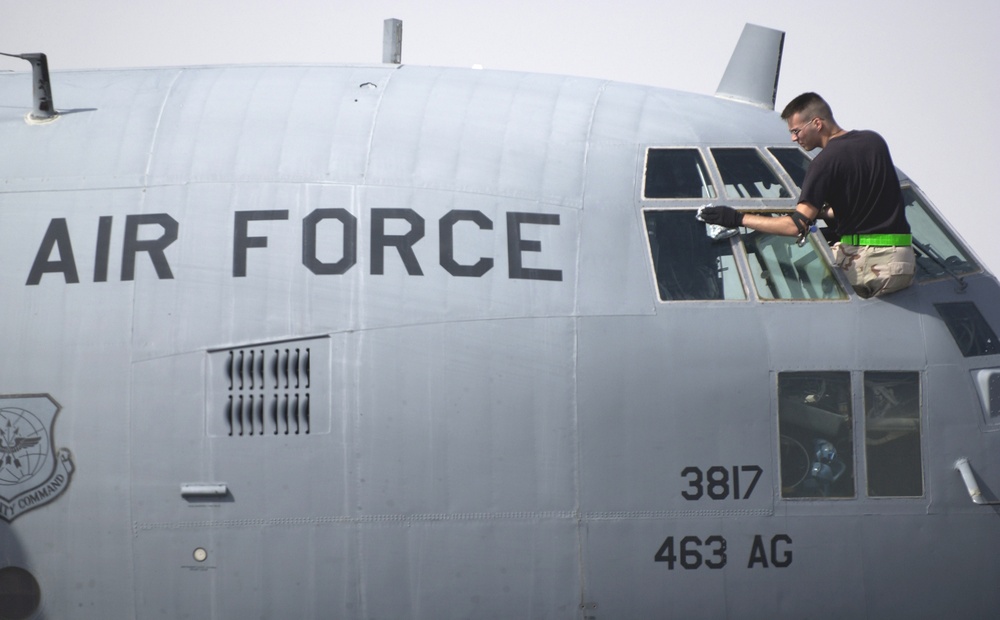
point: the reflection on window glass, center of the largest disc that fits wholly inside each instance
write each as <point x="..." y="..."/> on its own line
<point x="783" y="270"/>
<point x="677" y="173"/>
<point x="793" y="160"/>
<point x="892" y="434"/>
<point x="816" y="443"/>
<point x="938" y="254"/>
<point x="746" y="175"/>
<point x="687" y="263"/>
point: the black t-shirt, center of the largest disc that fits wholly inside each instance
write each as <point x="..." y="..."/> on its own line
<point x="854" y="174"/>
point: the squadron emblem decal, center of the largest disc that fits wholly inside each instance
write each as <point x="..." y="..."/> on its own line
<point x="32" y="472"/>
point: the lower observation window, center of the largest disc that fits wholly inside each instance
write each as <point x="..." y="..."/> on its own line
<point x="687" y="263"/>
<point x="816" y="438"/>
<point x="892" y="434"/>
<point x="816" y="428"/>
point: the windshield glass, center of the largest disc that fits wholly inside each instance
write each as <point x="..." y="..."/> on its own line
<point x="939" y="255"/>
<point x="793" y="160"/>
<point x="746" y="174"/>
<point x="688" y="264"/>
<point x="677" y="173"/>
<point x="782" y="269"/>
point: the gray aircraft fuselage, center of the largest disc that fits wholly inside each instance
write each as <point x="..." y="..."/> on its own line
<point x="402" y="342"/>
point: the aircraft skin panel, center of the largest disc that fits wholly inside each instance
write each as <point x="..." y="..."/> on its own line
<point x="889" y="593"/>
<point x="112" y="123"/>
<point x="611" y="283"/>
<point x="217" y="125"/>
<point x="871" y="345"/>
<point x="468" y="435"/>
<point x="630" y="420"/>
<point x="525" y="568"/>
<point x="504" y="134"/>
<point x="387" y="342"/>
<point x="322" y="579"/>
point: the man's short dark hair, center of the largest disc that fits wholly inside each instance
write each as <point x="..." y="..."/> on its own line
<point x="808" y="105"/>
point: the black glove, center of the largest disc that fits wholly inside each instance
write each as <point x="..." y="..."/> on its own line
<point x="727" y="217"/>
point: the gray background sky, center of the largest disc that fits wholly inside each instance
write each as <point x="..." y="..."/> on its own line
<point x="924" y="74"/>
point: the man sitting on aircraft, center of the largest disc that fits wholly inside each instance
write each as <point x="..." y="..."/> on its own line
<point x="853" y="185"/>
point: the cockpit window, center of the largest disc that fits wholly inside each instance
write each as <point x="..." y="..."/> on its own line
<point x="746" y="174"/>
<point x="677" y="173"/>
<point x="938" y="254"/>
<point x="782" y="269"/>
<point x="687" y="263"/>
<point x="793" y="160"/>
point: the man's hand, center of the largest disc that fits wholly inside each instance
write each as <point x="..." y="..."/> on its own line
<point x="727" y="217"/>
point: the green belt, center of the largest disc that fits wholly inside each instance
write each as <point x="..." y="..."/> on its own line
<point x="883" y="239"/>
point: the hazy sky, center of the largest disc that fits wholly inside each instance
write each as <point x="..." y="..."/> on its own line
<point x="922" y="73"/>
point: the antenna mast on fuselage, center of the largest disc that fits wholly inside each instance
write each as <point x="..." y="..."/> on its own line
<point x="752" y="73"/>
<point x="392" y="41"/>
<point x="41" y="86"/>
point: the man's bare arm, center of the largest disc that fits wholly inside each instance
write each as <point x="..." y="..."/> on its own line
<point x="783" y="225"/>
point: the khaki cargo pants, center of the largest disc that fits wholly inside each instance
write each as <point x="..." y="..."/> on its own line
<point x="876" y="270"/>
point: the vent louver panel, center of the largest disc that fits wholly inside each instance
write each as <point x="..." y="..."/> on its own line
<point x="268" y="389"/>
